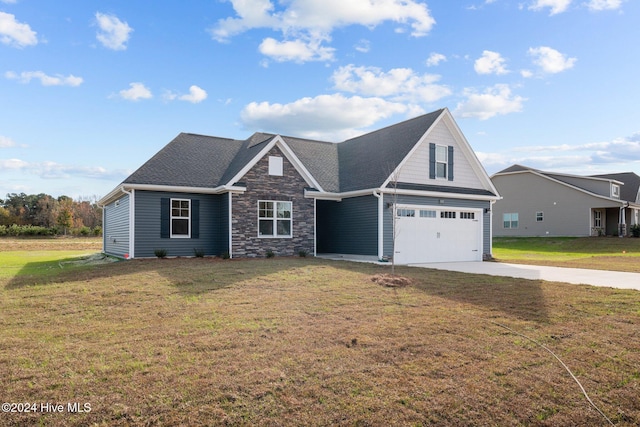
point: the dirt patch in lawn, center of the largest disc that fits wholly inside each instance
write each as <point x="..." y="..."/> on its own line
<point x="391" y="280"/>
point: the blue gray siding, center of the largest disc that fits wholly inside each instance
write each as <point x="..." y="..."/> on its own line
<point x="213" y="225"/>
<point x="116" y="227"/>
<point x="436" y="202"/>
<point x="348" y="227"/>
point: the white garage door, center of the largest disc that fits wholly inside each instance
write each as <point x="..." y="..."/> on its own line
<point x="424" y="234"/>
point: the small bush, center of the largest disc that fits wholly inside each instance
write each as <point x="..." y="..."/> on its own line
<point x="270" y="254"/>
<point x="198" y="252"/>
<point x="84" y="231"/>
<point x="302" y="253"/>
<point x="225" y="255"/>
<point x="635" y="230"/>
<point x="160" y="253"/>
<point x="97" y="231"/>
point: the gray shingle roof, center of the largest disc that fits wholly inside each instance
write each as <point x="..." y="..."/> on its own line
<point x="190" y="161"/>
<point x="628" y="191"/>
<point x="359" y="163"/>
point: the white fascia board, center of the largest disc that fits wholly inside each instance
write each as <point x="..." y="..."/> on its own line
<point x="469" y="152"/>
<point x="323" y="195"/>
<point x="396" y="171"/>
<point x="297" y="164"/>
<point x="125" y="188"/>
<point x="439" y="194"/>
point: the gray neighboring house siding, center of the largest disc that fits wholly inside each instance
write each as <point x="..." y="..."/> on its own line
<point x="262" y="186"/>
<point x="436" y="203"/>
<point x="349" y="226"/>
<point x="566" y="211"/>
<point x="212" y="236"/>
<point x="116" y="227"/>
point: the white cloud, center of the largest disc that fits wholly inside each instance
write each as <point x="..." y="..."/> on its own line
<point x="582" y="159"/>
<point x="496" y="100"/>
<point x="363" y="46"/>
<point x="435" y="59"/>
<point x="45" y="80"/>
<point x="490" y="63"/>
<point x="9" y="1"/>
<point x="6" y="142"/>
<point x="54" y="170"/>
<point x="14" y="33"/>
<point x="136" y="92"/>
<point x="399" y="84"/>
<point x="328" y="117"/>
<point x="550" y="60"/>
<point x="113" y="34"/>
<point x="598" y="5"/>
<point x="556" y="6"/>
<point x="195" y="95"/>
<point x="305" y="24"/>
<point x="296" y="50"/>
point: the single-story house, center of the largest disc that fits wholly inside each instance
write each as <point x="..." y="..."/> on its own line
<point x="414" y="191"/>
<point x="539" y="203"/>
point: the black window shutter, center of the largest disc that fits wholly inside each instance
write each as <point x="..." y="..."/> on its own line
<point x="450" y="166"/>
<point x="432" y="161"/>
<point x="165" y="218"/>
<point x="195" y="219"/>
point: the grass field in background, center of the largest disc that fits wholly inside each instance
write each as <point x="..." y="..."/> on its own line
<point x="600" y="253"/>
<point x="303" y="341"/>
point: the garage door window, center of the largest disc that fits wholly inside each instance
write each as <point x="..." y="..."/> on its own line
<point x="427" y="214"/>
<point x="467" y="215"/>
<point x="448" y="214"/>
<point x="411" y="213"/>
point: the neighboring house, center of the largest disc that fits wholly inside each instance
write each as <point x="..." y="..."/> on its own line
<point x="539" y="203"/>
<point x="283" y="194"/>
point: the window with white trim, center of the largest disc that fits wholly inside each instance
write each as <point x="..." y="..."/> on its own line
<point x="539" y="216"/>
<point x="597" y="219"/>
<point x="441" y="161"/>
<point x="274" y="219"/>
<point x="510" y="220"/>
<point x="180" y="217"/>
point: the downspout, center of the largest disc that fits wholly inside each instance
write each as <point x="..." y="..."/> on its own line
<point x="132" y="223"/>
<point x="380" y="198"/>
<point x="230" y="225"/>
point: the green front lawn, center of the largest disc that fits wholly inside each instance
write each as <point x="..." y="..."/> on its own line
<point x="600" y="253"/>
<point x="304" y="341"/>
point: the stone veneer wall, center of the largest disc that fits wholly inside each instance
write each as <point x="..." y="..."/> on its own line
<point x="262" y="186"/>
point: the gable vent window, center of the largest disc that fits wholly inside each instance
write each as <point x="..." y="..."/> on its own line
<point x="539" y="216"/>
<point x="440" y="162"/>
<point x="275" y="166"/>
<point x="615" y="191"/>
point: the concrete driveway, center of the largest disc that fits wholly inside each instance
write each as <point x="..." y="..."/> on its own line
<point x="613" y="279"/>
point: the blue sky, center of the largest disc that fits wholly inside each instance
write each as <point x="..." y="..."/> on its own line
<point x="90" y="90"/>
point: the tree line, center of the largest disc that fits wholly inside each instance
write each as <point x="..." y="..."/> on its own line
<point x="42" y="214"/>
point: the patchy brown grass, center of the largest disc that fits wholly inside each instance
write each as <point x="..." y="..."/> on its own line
<point x="8" y="244"/>
<point x="302" y="341"/>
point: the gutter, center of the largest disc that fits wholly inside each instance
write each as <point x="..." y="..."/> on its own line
<point x="169" y="188"/>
